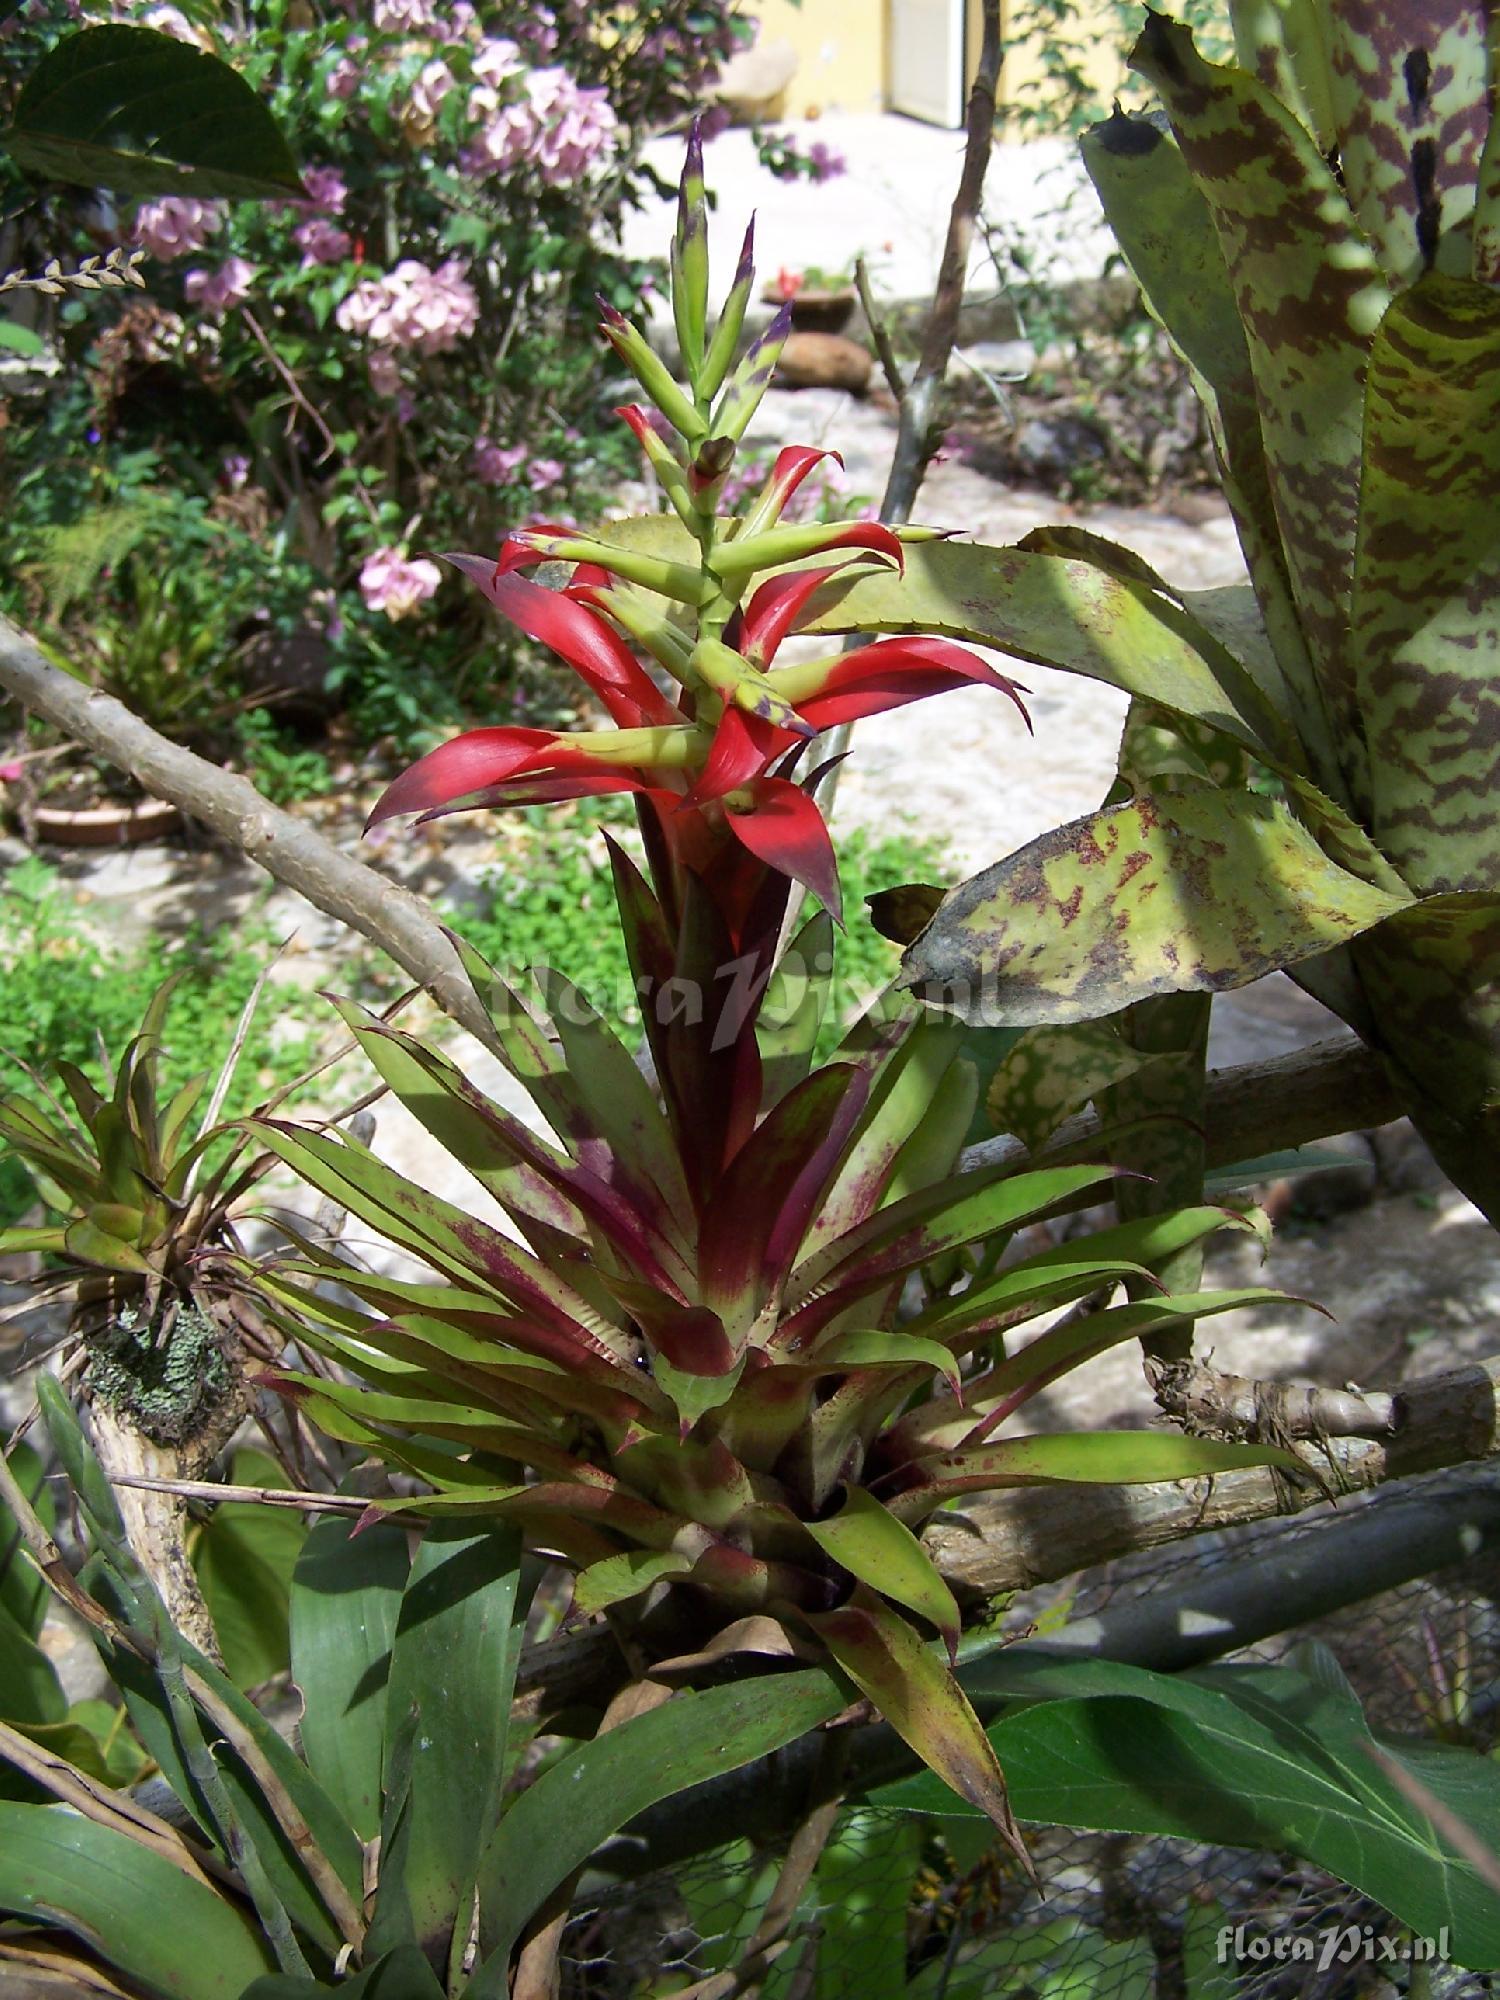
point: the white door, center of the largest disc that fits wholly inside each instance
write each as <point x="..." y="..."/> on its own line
<point x="927" y="60"/>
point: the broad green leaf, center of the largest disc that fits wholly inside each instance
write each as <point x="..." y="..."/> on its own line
<point x="866" y="1539"/>
<point x="23" y="1593"/>
<point x="142" y="1914"/>
<point x="619" y="1577"/>
<point x="1257" y="1757"/>
<point x="345" y="1598"/>
<point x="1425" y="631"/>
<point x="1193" y="891"/>
<point x="591" y="1792"/>
<point x="22" y="340"/>
<point x="244" y="1557"/>
<point x="918" y="1696"/>
<point x="143" y="113"/>
<point x="1296" y="259"/>
<point x="453" y="1667"/>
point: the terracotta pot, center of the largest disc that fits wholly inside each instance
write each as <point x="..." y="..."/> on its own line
<point x="819" y="310"/>
<point x="113" y="825"/>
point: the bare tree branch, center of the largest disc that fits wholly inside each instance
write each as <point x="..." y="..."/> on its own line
<point x="296" y="854"/>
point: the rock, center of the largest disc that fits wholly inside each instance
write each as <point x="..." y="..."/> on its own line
<point x="825" y="361"/>
<point x="1338" y="1190"/>
<point x="1405" y="1159"/>
<point x="1052" y="447"/>
<point x="752" y="83"/>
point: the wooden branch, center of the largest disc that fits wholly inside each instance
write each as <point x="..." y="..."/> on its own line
<point x="1329" y="1087"/>
<point x="916" y="438"/>
<point x="296" y="854"/>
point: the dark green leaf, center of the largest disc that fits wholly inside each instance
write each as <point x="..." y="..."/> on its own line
<point x="145" y="114"/>
<point x="593" y="1791"/>
<point x="22" y="1591"/>
<point x="244" y="1559"/>
<point x="136" y="1909"/>
<point x="453" y="1666"/>
<point x="346" y="1593"/>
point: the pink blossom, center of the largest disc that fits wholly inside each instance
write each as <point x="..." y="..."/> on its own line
<point x="343" y="78"/>
<point x="12" y="772"/>
<point x="176" y="225"/>
<point x="556" y="126"/>
<point x="321" y="242"/>
<point x="404" y="17"/>
<point x="326" y="189"/>
<point x="218" y="291"/>
<point x="496" y="463"/>
<point x="544" y="472"/>
<point x="413" y="307"/>
<point x="434" y="81"/>
<point x="393" y="583"/>
<point x="496" y="60"/>
<point x="461" y="18"/>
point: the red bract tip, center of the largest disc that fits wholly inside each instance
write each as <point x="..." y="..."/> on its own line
<point x="785" y="829"/>
<point x="470" y="763"/>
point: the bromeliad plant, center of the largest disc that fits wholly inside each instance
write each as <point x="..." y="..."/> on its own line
<point x="754" y="1323"/>
<point x="1320" y="235"/>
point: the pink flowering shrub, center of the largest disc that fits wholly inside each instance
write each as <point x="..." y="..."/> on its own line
<point x="391" y="582"/>
<point x="404" y="357"/>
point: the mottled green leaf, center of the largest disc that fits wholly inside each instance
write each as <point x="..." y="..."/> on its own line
<point x="1411" y="111"/>
<point x="1425" y="636"/>
<point x="1190" y="891"/>
<point x="144" y="113"/>
<point x="139" y="1911"/>
<point x="1052" y="1072"/>
<point x="1310" y="293"/>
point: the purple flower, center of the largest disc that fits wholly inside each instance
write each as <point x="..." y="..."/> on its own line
<point x="393" y="583"/>
<point x="496" y="463"/>
<point x="321" y="242"/>
<point x="544" y="472"/>
<point x="176" y="225"/>
<point x="217" y="291"/>
<point x="826" y="164"/>
<point x="326" y="189"/>
<point x="234" y="470"/>
<point x="343" y="78"/>
<point x="413" y="307"/>
<point x="556" y="126"/>
<point x="404" y="17"/>
<point x="433" y="84"/>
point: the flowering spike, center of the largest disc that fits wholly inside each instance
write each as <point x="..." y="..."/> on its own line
<point x="729" y="674"/>
<point x="663" y="461"/>
<point x="887" y="675"/>
<point x="596" y="653"/>
<point x="731" y="321"/>
<point x="529" y="546"/>
<point x="784" y="828"/>
<point x="689" y="259"/>
<point x="737" y="560"/>
<point x="648" y="368"/>
<point x="752" y="378"/>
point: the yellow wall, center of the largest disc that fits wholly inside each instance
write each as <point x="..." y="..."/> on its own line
<point x="840" y="48"/>
<point x="841" y="52"/>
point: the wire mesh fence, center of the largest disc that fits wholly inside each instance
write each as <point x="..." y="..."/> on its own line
<point x="934" y="1910"/>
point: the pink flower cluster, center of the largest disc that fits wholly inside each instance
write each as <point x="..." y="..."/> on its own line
<point x="217" y="292"/>
<point x="411" y="306"/>
<point x="556" y="126"/>
<point x="395" y="584"/>
<point x="176" y="225"/>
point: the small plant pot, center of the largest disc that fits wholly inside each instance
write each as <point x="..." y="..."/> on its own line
<point x="819" y="310"/>
<point x="115" y="825"/>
